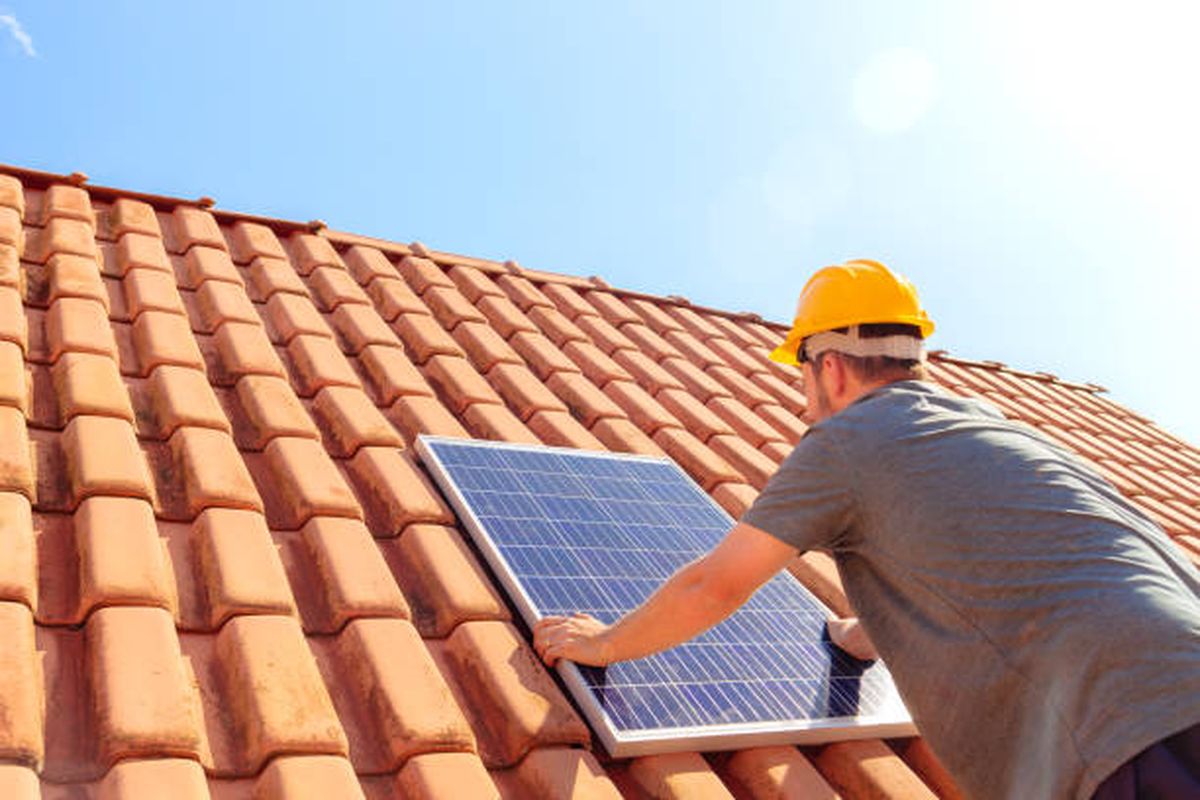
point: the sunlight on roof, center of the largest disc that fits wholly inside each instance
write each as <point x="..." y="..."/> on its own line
<point x="894" y="89"/>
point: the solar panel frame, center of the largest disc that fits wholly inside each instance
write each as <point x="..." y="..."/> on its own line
<point x="890" y="720"/>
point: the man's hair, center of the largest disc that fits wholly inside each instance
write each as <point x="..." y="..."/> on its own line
<point x="879" y="368"/>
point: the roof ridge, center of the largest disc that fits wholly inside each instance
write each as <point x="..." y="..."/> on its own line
<point x="1000" y="366"/>
<point x="162" y="202"/>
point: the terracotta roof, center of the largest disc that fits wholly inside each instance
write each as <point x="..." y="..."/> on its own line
<point x="222" y="571"/>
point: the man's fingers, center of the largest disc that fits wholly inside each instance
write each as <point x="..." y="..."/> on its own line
<point x="547" y="634"/>
<point x="572" y="638"/>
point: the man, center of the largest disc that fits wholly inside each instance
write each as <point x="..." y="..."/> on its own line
<point x="1043" y="632"/>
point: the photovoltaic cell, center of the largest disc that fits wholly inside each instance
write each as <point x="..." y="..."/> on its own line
<point x="568" y="530"/>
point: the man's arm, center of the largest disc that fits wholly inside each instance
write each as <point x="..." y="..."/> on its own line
<point x="695" y="598"/>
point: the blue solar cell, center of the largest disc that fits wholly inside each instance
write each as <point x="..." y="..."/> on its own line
<point x="577" y="531"/>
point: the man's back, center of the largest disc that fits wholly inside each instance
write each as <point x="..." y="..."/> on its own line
<point x="1041" y="629"/>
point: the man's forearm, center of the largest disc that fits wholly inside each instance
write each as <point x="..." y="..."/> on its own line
<point x="683" y="607"/>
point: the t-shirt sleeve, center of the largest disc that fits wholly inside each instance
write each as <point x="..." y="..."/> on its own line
<point x="808" y="503"/>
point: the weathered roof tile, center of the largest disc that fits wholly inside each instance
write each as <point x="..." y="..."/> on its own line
<point x="16" y="466"/>
<point x="767" y="773"/>
<point x="458" y="383"/>
<point x="160" y="338"/>
<point x="390" y="374"/>
<point x="474" y="283"/>
<point x="504" y="316"/>
<point x="307" y="776"/>
<point x="333" y="286"/>
<point x="13" y="325"/>
<point x="586" y="402"/>
<point x="397" y="684"/>
<point x="12" y="194"/>
<point x="354" y="579"/>
<point x="350" y="421"/>
<point x="393" y="297"/>
<point x="569" y="301"/>
<point x="555" y="325"/>
<point x="18" y="562"/>
<point x="442" y="580"/>
<point x="103" y="457"/>
<point x="251" y="239"/>
<point x="151" y="290"/>
<point x="755" y="466"/>
<point x="706" y="467"/>
<point x="623" y="436"/>
<point x="643" y="410"/>
<point x="203" y="264"/>
<point x="195" y="226"/>
<point x="602" y="334"/>
<point x="541" y="354"/>
<point x="450" y="308"/>
<point x="522" y="292"/>
<point x="242" y="349"/>
<point x="483" y="346"/>
<point x="269" y="408"/>
<point x="365" y="264"/>
<point x="562" y="430"/>
<point x="79" y="325"/>
<point x="525" y="394"/>
<point x="417" y="414"/>
<point x="677" y="775"/>
<point x="86" y="383"/>
<point x="421" y="274"/>
<point x="432" y="775"/>
<point x="145" y="704"/>
<point x="75" y="276"/>
<point x="296" y="715"/>
<point x="269" y="276"/>
<point x="394" y="493"/>
<point x="306" y="482"/>
<point x="424" y="337"/>
<point x="869" y="768"/>
<point x="127" y="215"/>
<point x="563" y="772"/>
<point x="239" y="566"/>
<point x="487" y="421"/>
<point x="359" y="326"/>
<point x="512" y="702"/>
<point x="317" y="362"/>
<point x="288" y="315"/>
<point x="220" y="302"/>
<point x="21" y="693"/>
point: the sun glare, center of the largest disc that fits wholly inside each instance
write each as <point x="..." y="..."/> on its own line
<point x="1116" y="81"/>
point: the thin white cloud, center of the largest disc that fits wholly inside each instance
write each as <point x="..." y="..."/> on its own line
<point x="23" y="39"/>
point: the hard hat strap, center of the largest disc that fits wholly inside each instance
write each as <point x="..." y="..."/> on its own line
<point x="905" y="348"/>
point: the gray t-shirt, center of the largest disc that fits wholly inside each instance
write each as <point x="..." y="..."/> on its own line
<point x="1041" y="629"/>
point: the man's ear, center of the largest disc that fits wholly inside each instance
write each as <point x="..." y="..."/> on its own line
<point x="835" y="368"/>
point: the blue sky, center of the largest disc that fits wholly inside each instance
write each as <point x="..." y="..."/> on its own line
<point x="1030" y="165"/>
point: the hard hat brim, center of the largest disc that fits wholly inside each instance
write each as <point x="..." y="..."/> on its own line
<point x="788" y="351"/>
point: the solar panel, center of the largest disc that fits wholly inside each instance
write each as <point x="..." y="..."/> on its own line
<point x="569" y="530"/>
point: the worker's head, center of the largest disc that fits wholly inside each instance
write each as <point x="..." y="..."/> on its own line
<point x="857" y="327"/>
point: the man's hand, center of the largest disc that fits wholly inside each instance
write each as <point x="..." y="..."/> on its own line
<point x="850" y="635"/>
<point x="578" y="638"/>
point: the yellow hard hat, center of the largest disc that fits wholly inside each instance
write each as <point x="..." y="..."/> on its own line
<point x="858" y="292"/>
